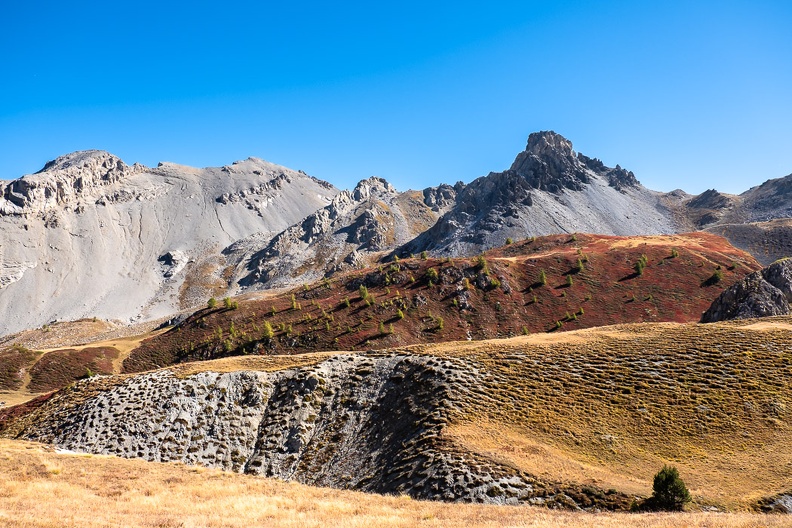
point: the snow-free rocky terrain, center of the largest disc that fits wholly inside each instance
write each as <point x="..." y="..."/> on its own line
<point x="763" y="293"/>
<point x="90" y="236"/>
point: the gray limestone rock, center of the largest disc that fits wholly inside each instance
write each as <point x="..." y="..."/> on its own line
<point x="764" y="293"/>
<point x="90" y="236"/>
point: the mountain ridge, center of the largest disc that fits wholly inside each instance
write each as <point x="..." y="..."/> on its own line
<point x="264" y="226"/>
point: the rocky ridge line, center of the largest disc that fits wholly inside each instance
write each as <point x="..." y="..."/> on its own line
<point x="64" y="181"/>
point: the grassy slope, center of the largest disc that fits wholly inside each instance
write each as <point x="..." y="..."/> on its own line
<point x="43" y="489"/>
<point x="498" y="296"/>
<point x="609" y="406"/>
<point x="25" y="374"/>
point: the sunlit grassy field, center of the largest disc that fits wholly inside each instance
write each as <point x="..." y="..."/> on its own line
<point x="42" y="488"/>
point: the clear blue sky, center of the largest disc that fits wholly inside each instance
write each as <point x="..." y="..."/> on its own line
<point x="688" y="94"/>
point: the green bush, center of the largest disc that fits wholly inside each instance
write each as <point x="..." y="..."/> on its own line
<point x="640" y="265"/>
<point x="668" y="491"/>
<point x="268" y="332"/>
<point x="212" y="304"/>
<point x="432" y="275"/>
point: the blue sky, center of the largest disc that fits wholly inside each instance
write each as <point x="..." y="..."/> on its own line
<point x="686" y="94"/>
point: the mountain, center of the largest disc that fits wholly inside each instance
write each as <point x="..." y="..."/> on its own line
<point x="353" y="231"/>
<point x="757" y="220"/>
<point x="548" y="189"/>
<point x="90" y="236"/>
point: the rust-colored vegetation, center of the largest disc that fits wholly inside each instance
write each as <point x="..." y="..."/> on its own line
<point x="545" y="284"/>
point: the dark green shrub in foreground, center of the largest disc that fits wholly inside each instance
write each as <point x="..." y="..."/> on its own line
<point x="669" y="491"/>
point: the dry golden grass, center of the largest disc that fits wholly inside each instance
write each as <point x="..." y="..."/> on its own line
<point x="610" y="406"/>
<point x="44" y="489"/>
<point x="260" y="363"/>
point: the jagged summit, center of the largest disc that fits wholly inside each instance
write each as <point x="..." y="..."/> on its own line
<point x="82" y="159"/>
<point x="549" y="163"/>
<point x="549" y="188"/>
<point x="540" y="143"/>
<point x="351" y="231"/>
<point x="63" y="180"/>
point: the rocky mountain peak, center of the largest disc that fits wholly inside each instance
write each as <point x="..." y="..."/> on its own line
<point x="549" y="163"/>
<point x="62" y="180"/>
<point x="709" y="199"/>
<point x="82" y="160"/>
<point x="549" y="143"/>
<point x="372" y="186"/>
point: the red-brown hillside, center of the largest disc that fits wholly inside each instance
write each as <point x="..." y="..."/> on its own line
<point x="591" y="280"/>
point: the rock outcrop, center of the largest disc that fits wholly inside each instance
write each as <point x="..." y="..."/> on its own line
<point x="63" y="182"/>
<point x="354" y="421"/>
<point x="350" y="232"/>
<point x="763" y="293"/>
<point x="548" y="189"/>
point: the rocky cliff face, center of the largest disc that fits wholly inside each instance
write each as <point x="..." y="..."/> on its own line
<point x="366" y="422"/>
<point x="350" y="232"/>
<point x="63" y="182"/>
<point x="761" y="294"/>
<point x="91" y="236"/>
<point x="548" y="189"/>
<point x="770" y="200"/>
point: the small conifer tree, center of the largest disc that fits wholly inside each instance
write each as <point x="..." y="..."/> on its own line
<point x="668" y="490"/>
<point x="268" y="332"/>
